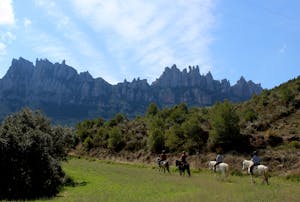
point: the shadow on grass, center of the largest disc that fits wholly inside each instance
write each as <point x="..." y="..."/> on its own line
<point x="70" y="182"/>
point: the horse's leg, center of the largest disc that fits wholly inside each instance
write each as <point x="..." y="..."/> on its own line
<point x="266" y="178"/>
<point x="188" y="171"/>
<point x="252" y="179"/>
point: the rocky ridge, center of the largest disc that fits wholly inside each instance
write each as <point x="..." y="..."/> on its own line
<point x="68" y="96"/>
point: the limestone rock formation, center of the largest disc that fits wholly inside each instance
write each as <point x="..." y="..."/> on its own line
<point x="68" y="96"/>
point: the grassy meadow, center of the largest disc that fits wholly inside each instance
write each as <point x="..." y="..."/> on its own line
<point x="105" y="181"/>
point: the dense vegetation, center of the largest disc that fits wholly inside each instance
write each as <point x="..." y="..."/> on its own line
<point x="30" y="155"/>
<point x="174" y="129"/>
<point x="255" y="124"/>
<point x="274" y="116"/>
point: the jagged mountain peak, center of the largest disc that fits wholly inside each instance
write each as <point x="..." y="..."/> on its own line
<point x="86" y="75"/>
<point x="65" y="95"/>
<point x="19" y="68"/>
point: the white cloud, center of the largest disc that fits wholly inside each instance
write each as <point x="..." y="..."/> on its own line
<point x="2" y="49"/>
<point x="153" y="34"/>
<point x="78" y="48"/>
<point x="47" y="46"/>
<point x="27" y="22"/>
<point x="6" y="13"/>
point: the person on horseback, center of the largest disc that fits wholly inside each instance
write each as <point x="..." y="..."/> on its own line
<point x="183" y="157"/>
<point x="162" y="157"/>
<point x="219" y="159"/>
<point x="255" y="161"/>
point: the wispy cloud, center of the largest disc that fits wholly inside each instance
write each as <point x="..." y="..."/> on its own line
<point x="73" y="44"/>
<point x="8" y="37"/>
<point x="6" y="13"/>
<point x="2" y="49"/>
<point x="27" y="22"/>
<point x="283" y="48"/>
<point x="152" y="34"/>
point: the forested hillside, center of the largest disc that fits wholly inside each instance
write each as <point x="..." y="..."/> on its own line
<point x="269" y="122"/>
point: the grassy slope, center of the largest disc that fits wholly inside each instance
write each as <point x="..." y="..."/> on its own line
<point x="102" y="181"/>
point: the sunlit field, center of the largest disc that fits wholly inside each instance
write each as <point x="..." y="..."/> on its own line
<point x="103" y="181"/>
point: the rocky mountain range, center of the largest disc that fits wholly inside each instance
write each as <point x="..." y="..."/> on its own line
<point x="67" y="97"/>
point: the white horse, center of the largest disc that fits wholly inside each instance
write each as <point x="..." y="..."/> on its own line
<point x="163" y="165"/>
<point x="257" y="170"/>
<point x="222" y="168"/>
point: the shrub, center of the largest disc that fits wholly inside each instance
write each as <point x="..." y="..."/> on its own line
<point x="30" y="150"/>
<point x="250" y="115"/>
<point x="295" y="144"/>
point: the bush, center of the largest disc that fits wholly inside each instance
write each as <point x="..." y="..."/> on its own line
<point x="295" y="144"/>
<point x="30" y="151"/>
<point x="250" y="115"/>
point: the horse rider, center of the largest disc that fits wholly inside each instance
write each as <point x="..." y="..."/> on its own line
<point x="183" y="157"/>
<point x="255" y="161"/>
<point x="163" y="156"/>
<point x="219" y="159"/>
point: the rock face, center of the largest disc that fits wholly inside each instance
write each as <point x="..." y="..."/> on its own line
<point x="68" y="97"/>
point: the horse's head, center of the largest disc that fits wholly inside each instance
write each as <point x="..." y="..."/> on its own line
<point x="177" y="163"/>
<point x="245" y="164"/>
<point x="211" y="164"/>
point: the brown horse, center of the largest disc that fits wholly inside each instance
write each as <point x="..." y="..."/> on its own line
<point x="182" y="167"/>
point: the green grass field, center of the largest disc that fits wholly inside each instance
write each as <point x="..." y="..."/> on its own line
<point x="104" y="181"/>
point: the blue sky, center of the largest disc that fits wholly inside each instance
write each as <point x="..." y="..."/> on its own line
<point x="120" y="39"/>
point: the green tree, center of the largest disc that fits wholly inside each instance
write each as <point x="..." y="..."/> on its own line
<point x="156" y="141"/>
<point x="115" y="140"/>
<point x="30" y="154"/>
<point x="174" y="138"/>
<point x="152" y="110"/>
<point x="195" y="136"/>
<point x="225" y="132"/>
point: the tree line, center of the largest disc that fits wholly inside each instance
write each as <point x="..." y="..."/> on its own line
<point x="173" y="129"/>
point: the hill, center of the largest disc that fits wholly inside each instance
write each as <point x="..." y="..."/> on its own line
<point x="68" y="97"/>
<point x="269" y="122"/>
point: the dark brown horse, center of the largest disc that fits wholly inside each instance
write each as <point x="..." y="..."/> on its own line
<point x="182" y="167"/>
